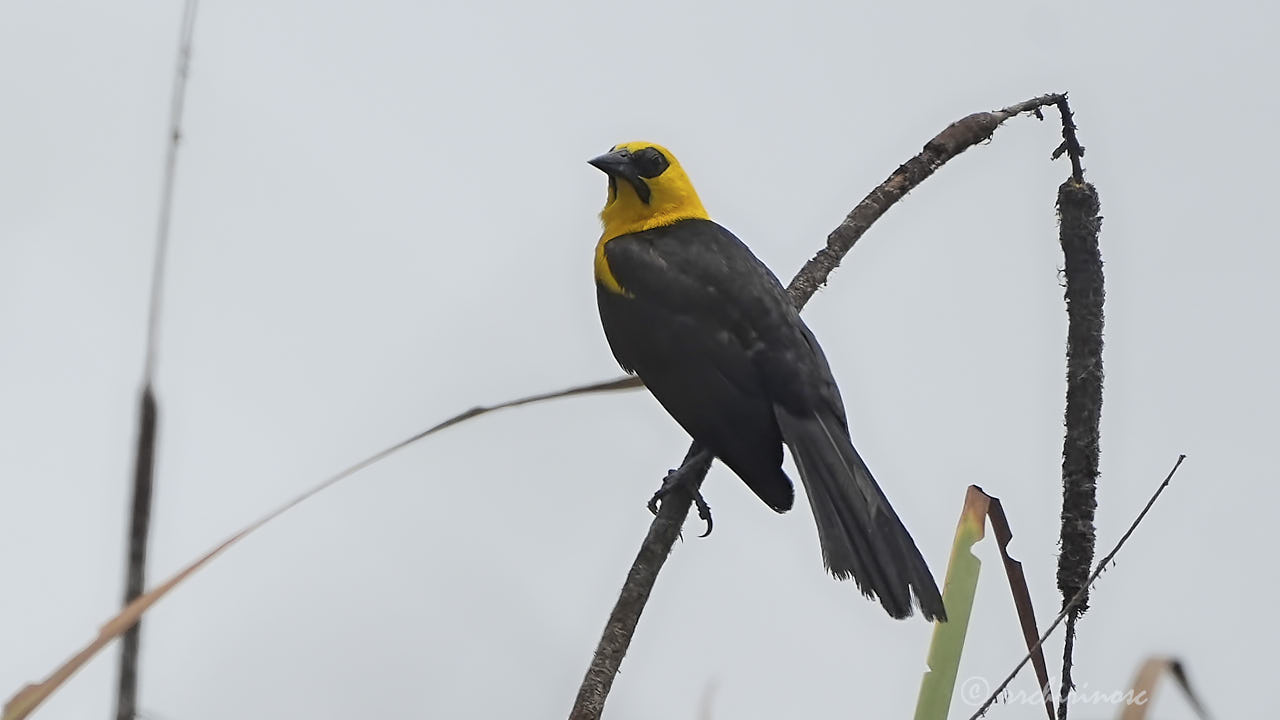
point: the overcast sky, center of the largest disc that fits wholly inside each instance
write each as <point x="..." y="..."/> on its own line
<point x="384" y="216"/>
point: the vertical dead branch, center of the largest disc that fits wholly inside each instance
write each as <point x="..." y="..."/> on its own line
<point x="1079" y="225"/>
<point x="148" y="412"/>
<point x="136" y="571"/>
<point x="955" y="139"/>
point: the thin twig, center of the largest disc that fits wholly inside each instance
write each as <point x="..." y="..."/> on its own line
<point x="148" y="412"/>
<point x="1070" y="143"/>
<point x="1066" y="686"/>
<point x="176" y="104"/>
<point x="955" y="139"/>
<point x="995" y="694"/>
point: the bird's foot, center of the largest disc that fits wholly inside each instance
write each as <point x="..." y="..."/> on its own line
<point x="687" y="477"/>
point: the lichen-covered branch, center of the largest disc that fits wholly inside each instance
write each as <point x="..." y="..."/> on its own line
<point x="1079" y="225"/>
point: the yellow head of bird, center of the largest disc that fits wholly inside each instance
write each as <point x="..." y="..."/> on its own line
<point x="647" y="189"/>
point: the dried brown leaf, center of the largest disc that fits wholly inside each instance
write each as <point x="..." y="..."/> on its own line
<point x="1143" y="690"/>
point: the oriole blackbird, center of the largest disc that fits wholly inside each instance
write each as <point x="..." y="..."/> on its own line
<point x="715" y="338"/>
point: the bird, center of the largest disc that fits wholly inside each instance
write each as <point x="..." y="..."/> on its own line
<point x="713" y="335"/>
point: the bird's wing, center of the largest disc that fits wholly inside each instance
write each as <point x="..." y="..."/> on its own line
<point x="681" y="326"/>
<point x="704" y="270"/>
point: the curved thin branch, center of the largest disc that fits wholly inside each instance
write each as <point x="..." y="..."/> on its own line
<point x="955" y="139"/>
<point x="26" y="700"/>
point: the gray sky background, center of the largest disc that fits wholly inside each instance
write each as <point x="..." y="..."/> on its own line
<point x="384" y="216"/>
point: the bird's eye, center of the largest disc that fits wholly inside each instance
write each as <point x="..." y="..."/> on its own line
<point x="650" y="162"/>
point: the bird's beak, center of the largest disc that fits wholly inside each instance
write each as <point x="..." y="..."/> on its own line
<point x="617" y="164"/>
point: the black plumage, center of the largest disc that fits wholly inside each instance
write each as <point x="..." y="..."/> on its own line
<point x="717" y="341"/>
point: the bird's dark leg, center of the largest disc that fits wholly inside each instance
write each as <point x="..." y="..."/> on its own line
<point x="687" y="477"/>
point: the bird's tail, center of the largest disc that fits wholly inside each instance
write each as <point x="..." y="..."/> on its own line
<point x="860" y="533"/>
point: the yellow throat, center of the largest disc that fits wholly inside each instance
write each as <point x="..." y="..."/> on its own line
<point x="671" y="197"/>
